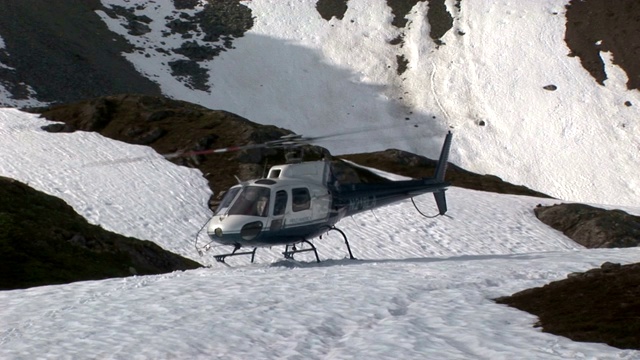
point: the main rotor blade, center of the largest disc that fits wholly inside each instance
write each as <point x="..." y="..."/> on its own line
<point x="285" y="141"/>
<point x="291" y="140"/>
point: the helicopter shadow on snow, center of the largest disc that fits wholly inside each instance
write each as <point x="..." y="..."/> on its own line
<point x="292" y="264"/>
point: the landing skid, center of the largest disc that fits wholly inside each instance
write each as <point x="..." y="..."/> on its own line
<point x="289" y="250"/>
<point x="345" y="240"/>
<point x="221" y="257"/>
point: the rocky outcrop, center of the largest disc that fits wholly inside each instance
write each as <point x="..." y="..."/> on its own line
<point x="592" y="227"/>
<point x="43" y="241"/>
<point x="599" y="305"/>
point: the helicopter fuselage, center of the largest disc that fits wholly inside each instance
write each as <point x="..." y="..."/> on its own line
<point x="298" y="202"/>
<point x="281" y="211"/>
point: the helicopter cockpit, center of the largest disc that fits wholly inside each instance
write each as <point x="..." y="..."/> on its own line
<point x="245" y="200"/>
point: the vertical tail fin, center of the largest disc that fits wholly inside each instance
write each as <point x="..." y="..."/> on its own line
<point x="441" y="201"/>
<point x="441" y="169"/>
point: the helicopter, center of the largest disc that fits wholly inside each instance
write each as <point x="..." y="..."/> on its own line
<point x="302" y="200"/>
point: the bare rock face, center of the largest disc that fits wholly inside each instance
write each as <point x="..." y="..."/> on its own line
<point x="44" y="241"/>
<point x="64" y="52"/>
<point x="599" y="305"/>
<point x="596" y="26"/>
<point x="592" y="227"/>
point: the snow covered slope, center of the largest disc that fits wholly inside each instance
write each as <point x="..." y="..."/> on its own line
<point x="487" y="82"/>
<point x="421" y="289"/>
<point x="499" y="74"/>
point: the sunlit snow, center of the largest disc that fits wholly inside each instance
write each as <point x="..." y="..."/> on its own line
<point x="422" y="288"/>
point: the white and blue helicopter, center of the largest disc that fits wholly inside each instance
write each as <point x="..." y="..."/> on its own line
<point x="300" y="201"/>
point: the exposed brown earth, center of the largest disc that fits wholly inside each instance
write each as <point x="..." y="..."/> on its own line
<point x="592" y="227"/>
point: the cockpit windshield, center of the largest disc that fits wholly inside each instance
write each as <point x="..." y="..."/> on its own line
<point x="227" y="199"/>
<point x="251" y="200"/>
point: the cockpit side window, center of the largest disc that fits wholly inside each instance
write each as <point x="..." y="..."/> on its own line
<point x="280" y="205"/>
<point x="252" y="201"/>
<point x="301" y="199"/>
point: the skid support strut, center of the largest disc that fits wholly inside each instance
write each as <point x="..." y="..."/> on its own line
<point x="346" y="242"/>
<point x="221" y="257"/>
<point x="289" y="250"/>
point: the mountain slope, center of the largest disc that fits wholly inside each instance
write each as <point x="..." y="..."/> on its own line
<point x="417" y="278"/>
<point x="60" y="52"/>
<point x="45" y="242"/>
<point x="540" y="94"/>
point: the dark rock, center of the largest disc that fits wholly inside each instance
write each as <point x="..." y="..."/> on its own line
<point x="38" y="247"/>
<point x="150" y="136"/>
<point x="224" y="19"/>
<point x="197" y="52"/>
<point x="181" y="27"/>
<point x="91" y="116"/>
<point x="78" y="240"/>
<point x="134" y="131"/>
<point x="612" y="23"/>
<point x="609" y="266"/>
<point x="191" y="73"/>
<point x="58" y="128"/>
<point x="550" y="87"/>
<point x="137" y="28"/>
<point x="206" y="142"/>
<point x="402" y="64"/>
<point x="144" y="19"/>
<point x="592" y="227"/>
<point x="400" y="9"/>
<point x="439" y="19"/>
<point x="185" y="4"/>
<point x="331" y="8"/>
<point x="65" y="52"/>
<point x="160" y="115"/>
<point x="599" y="305"/>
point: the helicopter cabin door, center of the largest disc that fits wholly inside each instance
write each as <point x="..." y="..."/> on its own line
<point x="281" y="199"/>
<point x="301" y="212"/>
<point x="291" y="208"/>
<point x="299" y="206"/>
